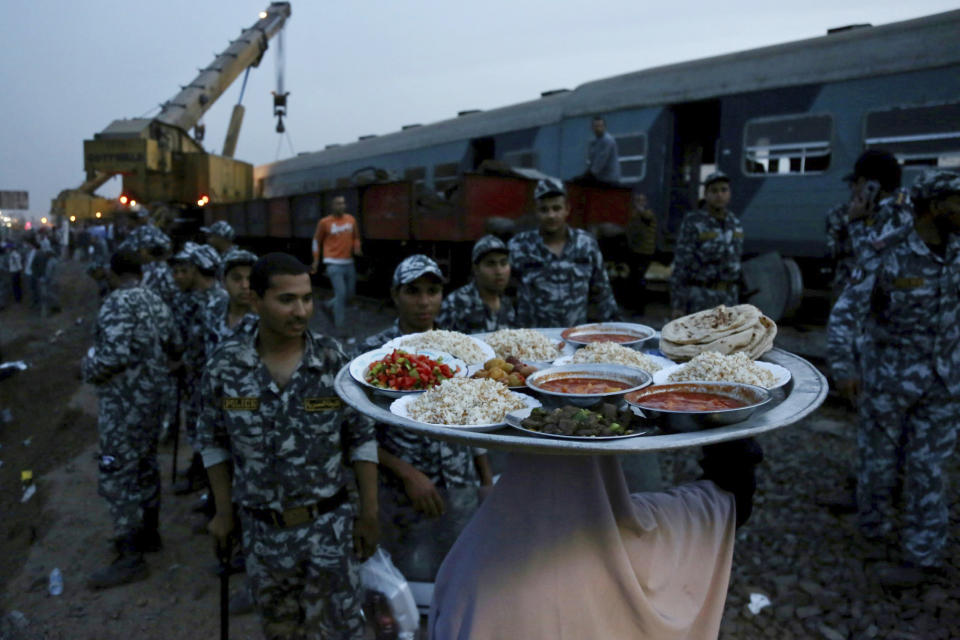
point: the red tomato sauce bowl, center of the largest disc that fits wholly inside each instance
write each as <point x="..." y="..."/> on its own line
<point x="586" y="384"/>
<point x="692" y="406"/>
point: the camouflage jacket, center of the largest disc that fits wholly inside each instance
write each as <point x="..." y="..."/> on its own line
<point x="158" y="277"/>
<point x="446" y="464"/>
<point x="215" y="327"/>
<point x="134" y="338"/>
<point x="839" y="244"/>
<point x="464" y="311"/>
<point x="555" y="291"/>
<point x="707" y="253"/>
<point x="907" y="302"/>
<point x="289" y="446"/>
<point x="207" y="302"/>
<point x="893" y="211"/>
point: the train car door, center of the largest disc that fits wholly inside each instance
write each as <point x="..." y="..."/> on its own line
<point x="693" y="154"/>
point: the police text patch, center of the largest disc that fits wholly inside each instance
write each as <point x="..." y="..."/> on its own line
<point x="241" y="404"/>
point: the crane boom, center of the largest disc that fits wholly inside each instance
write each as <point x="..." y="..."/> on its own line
<point x="159" y="160"/>
<point x="187" y="107"/>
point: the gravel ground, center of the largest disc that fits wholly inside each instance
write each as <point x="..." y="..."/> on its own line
<point x="812" y="565"/>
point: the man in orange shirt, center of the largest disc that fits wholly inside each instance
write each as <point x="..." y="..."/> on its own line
<point x="337" y="240"/>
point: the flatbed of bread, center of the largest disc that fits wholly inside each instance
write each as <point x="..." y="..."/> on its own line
<point x="726" y="330"/>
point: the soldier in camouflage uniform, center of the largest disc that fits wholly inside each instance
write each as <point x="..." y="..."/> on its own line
<point x="220" y="236"/>
<point x="559" y="269"/>
<point x="423" y="476"/>
<point x="224" y="318"/>
<point x="907" y="302"/>
<point x="135" y="337"/>
<point x="202" y="263"/>
<point x="706" y="260"/>
<point x="481" y="304"/>
<point x="154" y="246"/>
<point x="269" y="405"/>
<point x="139" y="229"/>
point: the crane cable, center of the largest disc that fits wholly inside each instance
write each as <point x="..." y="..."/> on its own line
<point x="280" y="98"/>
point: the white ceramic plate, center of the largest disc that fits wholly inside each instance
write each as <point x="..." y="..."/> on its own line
<point x="399" y="407"/>
<point x="488" y="352"/>
<point x="515" y="418"/>
<point x="781" y="375"/>
<point x="359" y="365"/>
<point x="663" y="362"/>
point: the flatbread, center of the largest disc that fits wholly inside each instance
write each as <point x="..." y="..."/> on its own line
<point x="711" y="324"/>
<point x="726" y="330"/>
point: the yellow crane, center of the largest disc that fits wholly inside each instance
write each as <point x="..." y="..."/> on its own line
<point x="158" y="158"/>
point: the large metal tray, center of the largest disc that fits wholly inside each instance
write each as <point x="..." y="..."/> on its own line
<point x="794" y="401"/>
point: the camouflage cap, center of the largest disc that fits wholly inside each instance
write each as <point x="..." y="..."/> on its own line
<point x="237" y="257"/>
<point x="205" y="257"/>
<point x="935" y="184"/>
<point x="151" y="237"/>
<point x="412" y="267"/>
<point x="139" y="211"/>
<point x="716" y="176"/>
<point x="185" y="254"/>
<point x="487" y="244"/>
<point x="220" y="228"/>
<point x="548" y="188"/>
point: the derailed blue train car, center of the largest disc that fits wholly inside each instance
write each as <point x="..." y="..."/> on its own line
<point x="785" y="122"/>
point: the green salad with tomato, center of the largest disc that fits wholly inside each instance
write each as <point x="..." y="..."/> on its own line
<point x="402" y="371"/>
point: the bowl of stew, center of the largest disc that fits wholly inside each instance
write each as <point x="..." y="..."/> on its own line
<point x="624" y="333"/>
<point x="587" y="384"/>
<point x="692" y="406"/>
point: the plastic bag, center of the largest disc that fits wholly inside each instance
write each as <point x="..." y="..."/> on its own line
<point x="378" y="573"/>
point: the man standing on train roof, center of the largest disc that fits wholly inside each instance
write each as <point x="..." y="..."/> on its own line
<point x="135" y="338"/>
<point x="706" y="260"/>
<point x="902" y="309"/>
<point x="270" y="407"/>
<point x="336" y="240"/>
<point x="481" y="304"/>
<point x="220" y="236"/>
<point x="559" y="269"/>
<point x="603" y="162"/>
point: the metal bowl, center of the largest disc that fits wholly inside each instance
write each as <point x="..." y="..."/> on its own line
<point x="675" y="421"/>
<point x="639" y="333"/>
<point x="636" y="378"/>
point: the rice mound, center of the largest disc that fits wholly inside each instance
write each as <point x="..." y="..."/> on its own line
<point x="457" y="344"/>
<point x="613" y="353"/>
<point x="711" y="366"/>
<point x="523" y="344"/>
<point x="465" y="401"/>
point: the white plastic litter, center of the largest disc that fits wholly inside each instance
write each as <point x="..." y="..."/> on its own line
<point x="757" y="602"/>
<point x="379" y="574"/>
<point x="28" y="492"/>
<point x="56" y="582"/>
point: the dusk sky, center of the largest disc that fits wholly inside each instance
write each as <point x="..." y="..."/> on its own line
<point x="69" y="69"/>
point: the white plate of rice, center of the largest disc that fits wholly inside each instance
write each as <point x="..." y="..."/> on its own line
<point x="538" y="347"/>
<point x="463" y="403"/>
<point x="613" y="353"/>
<point x="712" y="366"/>
<point x="467" y="348"/>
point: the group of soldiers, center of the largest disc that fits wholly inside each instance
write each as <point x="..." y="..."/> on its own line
<point x="291" y="469"/>
<point x="894" y="345"/>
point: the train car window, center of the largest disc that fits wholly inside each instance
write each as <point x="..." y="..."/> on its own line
<point x="523" y="158"/>
<point x="793" y="145"/>
<point x="416" y="175"/>
<point x="919" y="136"/>
<point x="445" y="175"/>
<point x="632" y="153"/>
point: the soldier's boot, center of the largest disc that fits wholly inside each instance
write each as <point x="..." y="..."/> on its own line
<point x="128" y="567"/>
<point x="148" y="538"/>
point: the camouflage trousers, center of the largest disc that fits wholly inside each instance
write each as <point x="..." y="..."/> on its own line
<point x="903" y="442"/>
<point x="305" y="580"/>
<point x="700" y="298"/>
<point x="129" y="477"/>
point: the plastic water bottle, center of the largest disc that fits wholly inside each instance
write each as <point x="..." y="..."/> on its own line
<point x="56" y="582"/>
